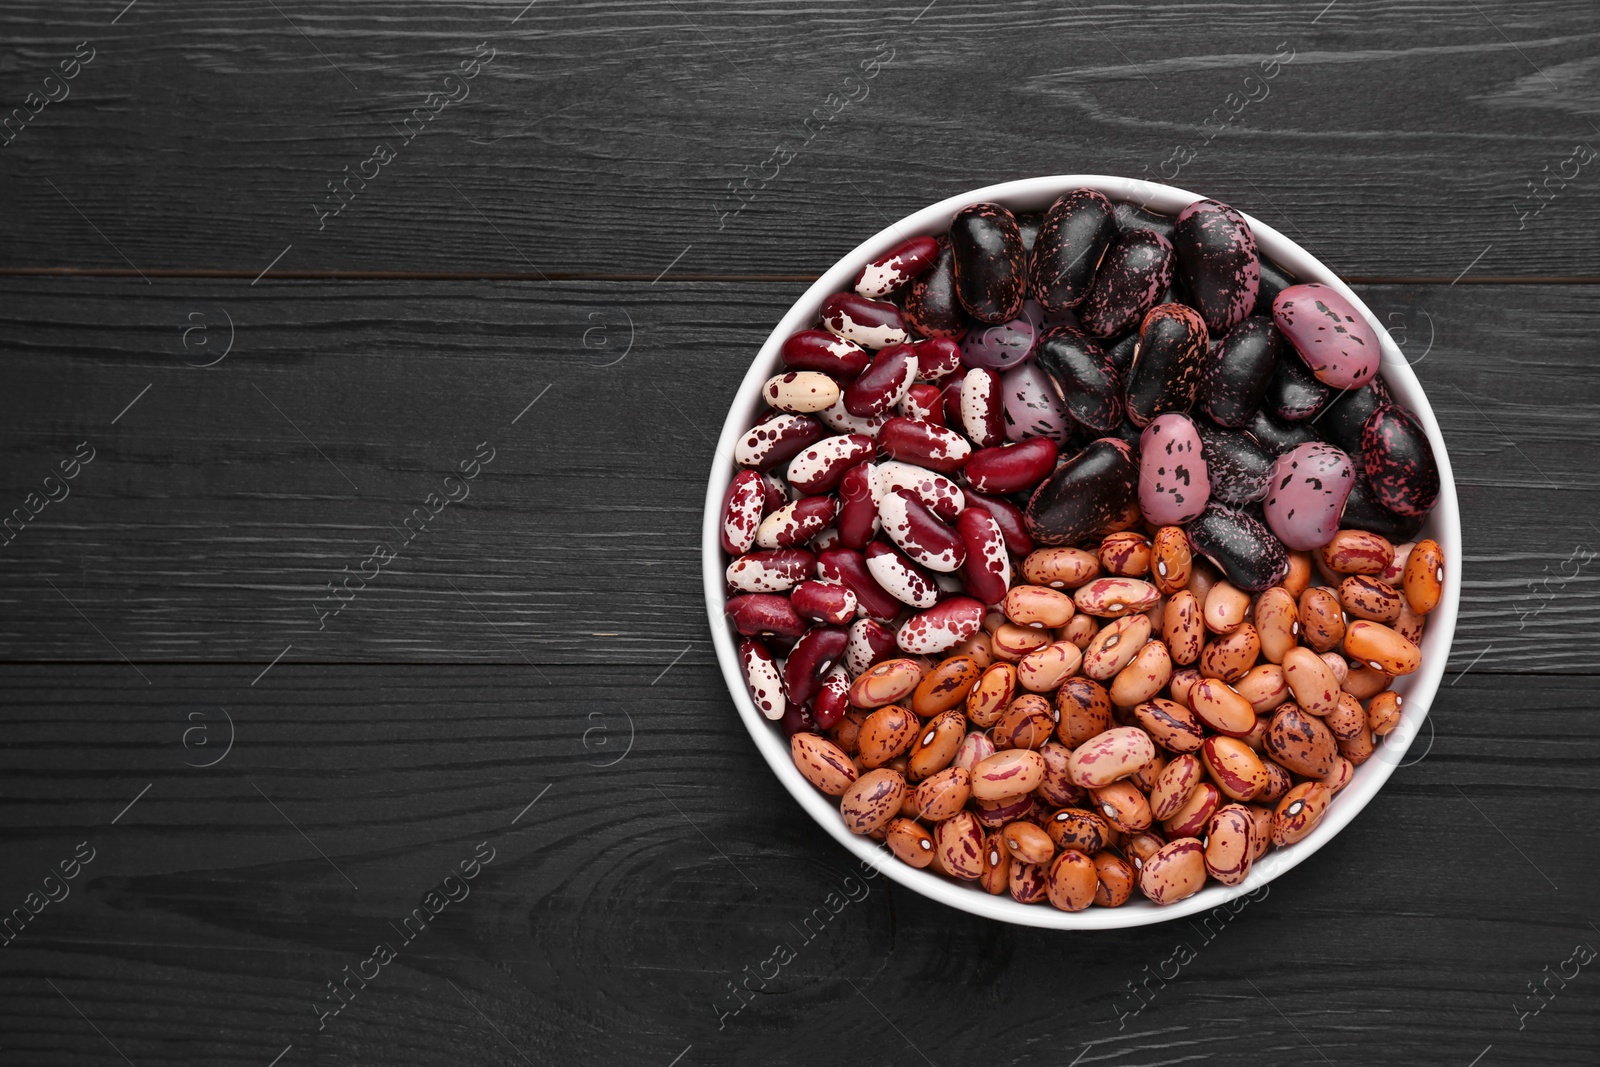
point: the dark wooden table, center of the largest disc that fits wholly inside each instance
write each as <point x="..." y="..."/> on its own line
<point x="549" y="275"/>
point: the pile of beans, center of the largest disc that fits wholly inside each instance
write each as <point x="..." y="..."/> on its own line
<point x="1076" y="553"/>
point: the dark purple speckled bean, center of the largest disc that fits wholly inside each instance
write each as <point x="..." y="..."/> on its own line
<point x="1033" y="407"/>
<point x="1084" y="377"/>
<point x="1217" y="262"/>
<point x="1293" y="393"/>
<point x="1238" y="373"/>
<point x="1086" y="495"/>
<point x="1166" y="366"/>
<point x="1243" y="549"/>
<point x="1399" y="462"/>
<point x="1135" y="272"/>
<point x="931" y="307"/>
<point x="1237" y="465"/>
<point x="1077" y="231"/>
<point x="991" y="270"/>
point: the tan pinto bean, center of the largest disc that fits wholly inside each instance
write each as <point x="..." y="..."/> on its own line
<point x="1424" y="577"/>
<point x="946" y="686"/>
<point x="1358" y="749"/>
<point x="1383" y="713"/>
<point x="1044" y="669"/>
<point x="887" y="733"/>
<point x="1028" y="843"/>
<point x="1311" y="681"/>
<point x="1140" y="847"/>
<point x="1142" y="679"/>
<point x="1236" y="769"/>
<point x="1114" y="754"/>
<point x="909" y="842"/>
<point x="1011" y="642"/>
<point x="1202" y="576"/>
<point x="1007" y="774"/>
<point x="872" y="800"/>
<point x="1175" y="871"/>
<point x="1221" y="707"/>
<point x="1170" y="559"/>
<point x="823" y="763"/>
<point x="1278" y="782"/>
<point x="1261" y="834"/>
<point x="1302" y="743"/>
<point x="937" y="744"/>
<point x="993" y="814"/>
<point x="959" y="842"/>
<point x="1299" y="576"/>
<point x="1058" y="789"/>
<point x="1363" y="682"/>
<point x="975" y="748"/>
<point x="1029" y="722"/>
<point x="1116" y="880"/>
<point x="1339" y="777"/>
<point x="1114" y="647"/>
<point x="1338" y="665"/>
<point x="1038" y="605"/>
<point x="1112" y="598"/>
<point x="1030" y="882"/>
<point x="1060" y="568"/>
<point x="1182" y="628"/>
<point x="995" y="689"/>
<point x="1257" y="736"/>
<point x="1230" y="657"/>
<point x="1277" y="623"/>
<point x="1263" y="687"/>
<point x="1073" y="881"/>
<point x="1381" y="648"/>
<point x="1230" y="844"/>
<point x="1175" y="785"/>
<point x="1321" y="618"/>
<point x="1366" y="597"/>
<point x="1356" y="552"/>
<point x="886" y="683"/>
<point x="1298" y="813"/>
<point x="1395" y="572"/>
<point x="1225" y="608"/>
<point x="1126" y="554"/>
<point x="1080" y="630"/>
<point x="1079" y="829"/>
<point x="1123" y="805"/>
<point x="1348" y="719"/>
<point x="1182" y="685"/>
<point x="1145" y="777"/>
<point x="1170" y="724"/>
<point x="943" y="794"/>
<point x="977" y="648"/>
<point x="1409" y="625"/>
<point x="1191" y="818"/>
<point x="846" y="733"/>
<point x="996" y="876"/>
<point x="1084" y="707"/>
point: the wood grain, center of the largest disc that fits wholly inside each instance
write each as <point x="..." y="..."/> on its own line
<point x="618" y="907"/>
<point x="223" y="502"/>
<point x="1400" y="139"/>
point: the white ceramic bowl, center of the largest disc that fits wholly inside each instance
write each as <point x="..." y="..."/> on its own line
<point x="1444" y="526"/>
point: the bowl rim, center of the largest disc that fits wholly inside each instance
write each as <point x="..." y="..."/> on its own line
<point x="1418" y="690"/>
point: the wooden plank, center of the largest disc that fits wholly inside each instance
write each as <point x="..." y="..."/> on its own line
<point x="622" y="138"/>
<point x="222" y="502"/>
<point x="618" y="908"/>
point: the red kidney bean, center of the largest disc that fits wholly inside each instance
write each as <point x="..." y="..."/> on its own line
<point x="870" y="642"/>
<point x="828" y="602"/>
<point x="897" y="266"/>
<point x="742" y="509"/>
<point x="820" y="468"/>
<point x="822" y="351"/>
<point x="1012" y="468"/>
<point x="983" y="407"/>
<point x="904" y="580"/>
<point x="832" y="699"/>
<point x="771" y="572"/>
<point x="869" y="323"/>
<point x="937" y="358"/>
<point x="931" y="304"/>
<point x="847" y="566"/>
<point x="987" y="568"/>
<point x="760" y="614"/>
<point x="777" y="440"/>
<point x="761" y="675"/>
<point x="924" y="444"/>
<point x="923" y="401"/>
<point x="914" y="527"/>
<point x="1008" y="516"/>
<point x="941" y="495"/>
<point x="858" y="507"/>
<point x="882" y="385"/>
<point x="812" y="657"/>
<point x="941" y="627"/>
<point x="797" y="522"/>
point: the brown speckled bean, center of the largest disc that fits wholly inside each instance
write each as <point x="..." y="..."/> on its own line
<point x="1170" y="559"/>
<point x="946" y="686"/>
<point x="996" y="876"/>
<point x="1044" y="669"/>
<point x="1114" y="754"/>
<point x="1029" y="721"/>
<point x="1038" y="605"/>
<point x="1028" y="843"/>
<point x="1366" y="597"/>
<point x="872" y="800"/>
<point x="1174" y="871"/>
<point x="1364" y="682"/>
<point x="1409" y="625"/>
<point x="1298" y="813"/>
<point x="1424" y="576"/>
<point x="1225" y="608"/>
<point x="823" y="763"/>
<point x="1007" y="773"/>
<point x="1079" y="829"/>
<point x="943" y="794"/>
<point x="1348" y="719"/>
<point x="1321" y="618"/>
<point x="993" y="814"/>
<point x="1142" y="679"/>
<point x="1057" y="789"/>
<point x="975" y="748"/>
<point x="1112" y="598"/>
<point x="938" y="741"/>
<point x="1175" y="785"/>
<point x="1299" y="576"/>
<point x="1277" y="623"/>
<point x="1123" y="806"/>
<point x="1080" y="630"/>
<point x="1236" y="769"/>
<point x="1383" y="712"/>
<point x="1073" y="881"/>
<point x="1311" y="680"/>
<point x="1278" y="782"/>
<point x="995" y="689"/>
<point x="1030" y="882"/>
<point x="1190" y="819"/>
<point x="1339" y="777"/>
<point x="1230" y="844"/>
<point x="1182" y="628"/>
<point x="888" y="732"/>
<point x="1170" y="724"/>
<point x="1356" y="552"/>
<point x="886" y="683"/>
<point x="1116" y="880"/>
<point x="1084" y="708"/>
<point x="1182" y="685"/>
<point x="1263" y="686"/>
<point x="1221" y="707"/>
<point x="909" y="842"/>
<point x="1231" y="656"/>
<point x="1060" y="568"/>
<point x="1114" y="647"/>
<point x="1011" y="642"/>
<point x="959" y="842"/>
<point x="1126" y="554"/>
<point x="1381" y="648"/>
<point x="1261" y="835"/>
<point x="1302" y="743"/>
<point x="1359" y="748"/>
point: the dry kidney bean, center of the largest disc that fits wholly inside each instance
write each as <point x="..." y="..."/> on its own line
<point x="1231" y="657"/>
<point x="986" y="570"/>
<point x="1080" y="630"/>
<point x="1143" y="678"/>
<point x="1182" y="627"/>
<point x="1301" y="743"/>
<point x="1409" y="625"/>
<point x="818" y="601"/>
<point x="959" y="842"/>
<point x="1174" y="786"/>
<point x="1364" y="681"/>
<point x="1073" y="881"/>
<point x="899" y="577"/>
<point x="1012" y="467"/>
<point x="1311" y="680"/>
<point x="771" y="571"/>
<point x="1298" y="813"/>
<point x="1369" y="598"/>
<point x="777" y="440"/>
<point x="886" y="683"/>
<point x="946" y="686"/>
<point x="1340" y="776"/>
<point x="824" y="764"/>
<point x="1084" y="708"/>
<point x="990" y="695"/>
<point x="1356" y="552"/>
<point x="1236" y="769"/>
<point x="1026" y="723"/>
<point x="1057" y="788"/>
<point x="1030" y="882"/>
<point x="1008" y="773"/>
<point x="993" y="814"/>
<point x="1028" y="843"/>
<point x="1126" y="554"/>
<point x="1263" y="687"/>
<point x="1191" y="818"/>
<point x="943" y="794"/>
<point x="1111" y="755"/>
<point x="1115" y="646"/>
<point x="1380" y="648"/>
<point x="1124" y="805"/>
<point x="1219" y="706"/>
<point x="996" y="876"/>
<point x="1321" y="618"/>
<point x="849" y="568"/>
<point x="1424" y="576"/>
<point x="936" y="746"/>
<point x="1171" y="560"/>
<point x="1116" y="880"/>
<point x="872" y="800"/>
<point x="941" y="627"/>
<point x="1044" y="669"/>
<point x="1037" y="605"/>
<point x="1225" y="608"/>
<point x="1383" y="713"/>
<point x="1174" y="871"/>
<point x="820" y="350"/>
<point x="868" y="323"/>
<point x="1230" y="844"/>
<point x="1060" y="568"/>
<point x="763" y="615"/>
<point x="1277" y="623"/>
<point x="1079" y="830"/>
<point x="1110" y="598"/>
<point x="888" y="732"/>
<point x="1172" y="726"/>
<point x="909" y="842"/>
<point x="1011" y="642"/>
